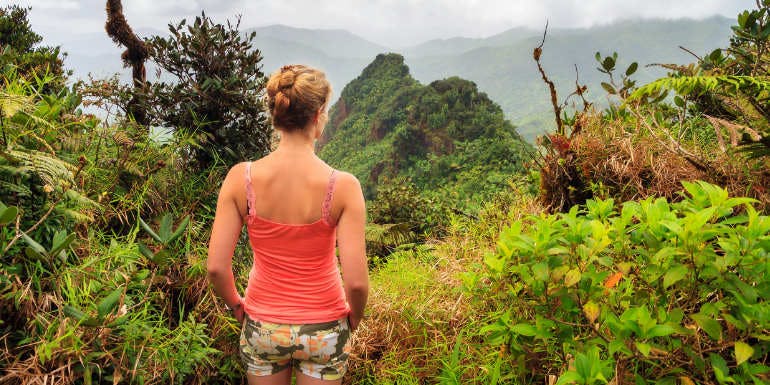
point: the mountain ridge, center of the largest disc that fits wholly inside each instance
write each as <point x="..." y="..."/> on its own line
<point x="501" y="64"/>
<point x="446" y="136"/>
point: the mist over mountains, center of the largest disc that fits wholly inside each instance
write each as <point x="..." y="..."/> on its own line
<point x="501" y="65"/>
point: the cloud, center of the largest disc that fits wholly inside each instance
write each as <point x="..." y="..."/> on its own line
<point x="391" y="22"/>
<point x="46" y="4"/>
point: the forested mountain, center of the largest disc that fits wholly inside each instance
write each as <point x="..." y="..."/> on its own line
<point x="446" y="135"/>
<point x="504" y="67"/>
<point x="501" y="65"/>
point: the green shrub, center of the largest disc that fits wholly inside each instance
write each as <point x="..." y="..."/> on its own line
<point x="654" y="291"/>
<point x="399" y="201"/>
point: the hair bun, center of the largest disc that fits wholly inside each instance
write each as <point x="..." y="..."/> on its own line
<point x="295" y="95"/>
<point x="287" y="77"/>
<point x="282" y="103"/>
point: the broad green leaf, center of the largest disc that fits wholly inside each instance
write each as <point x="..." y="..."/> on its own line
<point x="619" y="345"/>
<point x="524" y="329"/>
<point x="709" y="325"/>
<point x="179" y="230"/>
<point x="609" y="63"/>
<point x="38" y="248"/>
<point x="495" y="262"/>
<point x="145" y="251"/>
<point x="165" y="227"/>
<point x="674" y="275"/>
<point x="679" y="101"/>
<point x="743" y="352"/>
<point x="609" y="88"/>
<point x="660" y="331"/>
<point x="30" y="252"/>
<point x="572" y="277"/>
<point x="149" y="230"/>
<point x="8" y="214"/>
<point x="63" y="244"/>
<point x="570" y="378"/>
<point x="540" y="271"/>
<point x="643" y="348"/>
<point x="632" y="68"/>
<point x="591" y="311"/>
<point x="721" y="371"/>
<point x="107" y="305"/>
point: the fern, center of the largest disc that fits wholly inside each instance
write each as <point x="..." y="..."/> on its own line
<point x="389" y="235"/>
<point x="15" y="188"/>
<point x="10" y="103"/>
<point x="685" y="85"/>
<point x="52" y="171"/>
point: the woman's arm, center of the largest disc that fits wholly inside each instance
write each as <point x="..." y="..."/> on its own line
<point x="352" y="247"/>
<point x="228" y="223"/>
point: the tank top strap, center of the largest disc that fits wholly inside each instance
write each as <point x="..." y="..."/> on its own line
<point x="327" y="203"/>
<point x="249" y="190"/>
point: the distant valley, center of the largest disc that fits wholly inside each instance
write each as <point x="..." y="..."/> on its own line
<point x="501" y="65"/>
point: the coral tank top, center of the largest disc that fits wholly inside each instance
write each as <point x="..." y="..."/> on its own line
<point x="295" y="278"/>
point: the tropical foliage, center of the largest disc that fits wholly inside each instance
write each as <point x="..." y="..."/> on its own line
<point x="215" y="91"/>
<point x="651" y="291"/>
<point x="644" y="276"/>
<point x="421" y="151"/>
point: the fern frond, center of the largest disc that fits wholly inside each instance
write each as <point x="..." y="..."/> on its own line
<point x="11" y="104"/>
<point x="73" y="215"/>
<point x="81" y="200"/>
<point x="15" y="188"/>
<point x="51" y="170"/>
<point x="392" y="234"/>
<point x="40" y="121"/>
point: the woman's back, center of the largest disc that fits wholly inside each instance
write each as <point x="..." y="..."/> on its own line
<point x="290" y="188"/>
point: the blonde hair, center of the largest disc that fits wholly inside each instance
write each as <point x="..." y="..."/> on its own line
<point x="295" y="93"/>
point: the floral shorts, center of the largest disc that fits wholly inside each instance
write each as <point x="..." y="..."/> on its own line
<point x="318" y="350"/>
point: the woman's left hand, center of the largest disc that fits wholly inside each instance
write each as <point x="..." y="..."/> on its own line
<point x="238" y="311"/>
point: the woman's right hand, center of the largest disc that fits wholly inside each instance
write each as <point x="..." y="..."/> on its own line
<point x="353" y="322"/>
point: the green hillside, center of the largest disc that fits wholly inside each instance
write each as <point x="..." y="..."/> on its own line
<point x="502" y="65"/>
<point x="444" y="136"/>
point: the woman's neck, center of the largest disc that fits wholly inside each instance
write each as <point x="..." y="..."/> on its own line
<point x="296" y="142"/>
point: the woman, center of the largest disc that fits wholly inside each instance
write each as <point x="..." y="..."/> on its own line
<point x="295" y="312"/>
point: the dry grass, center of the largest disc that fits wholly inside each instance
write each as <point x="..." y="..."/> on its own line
<point x="417" y="307"/>
<point x="413" y="311"/>
<point x="626" y="163"/>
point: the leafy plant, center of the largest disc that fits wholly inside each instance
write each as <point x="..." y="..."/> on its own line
<point x="60" y="243"/>
<point x="20" y="48"/>
<point x="216" y="92"/>
<point x="166" y="236"/>
<point x="651" y="289"/>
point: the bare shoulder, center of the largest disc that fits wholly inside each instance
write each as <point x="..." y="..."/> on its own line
<point x="347" y="183"/>
<point x="234" y="179"/>
<point x="237" y="172"/>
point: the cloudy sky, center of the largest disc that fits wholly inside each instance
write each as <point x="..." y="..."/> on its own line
<point x="394" y="23"/>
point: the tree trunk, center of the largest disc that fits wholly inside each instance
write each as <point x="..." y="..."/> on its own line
<point x="134" y="56"/>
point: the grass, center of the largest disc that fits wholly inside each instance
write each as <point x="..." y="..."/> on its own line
<point x="422" y="327"/>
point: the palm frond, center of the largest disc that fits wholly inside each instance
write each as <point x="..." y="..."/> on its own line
<point x="685" y="85"/>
